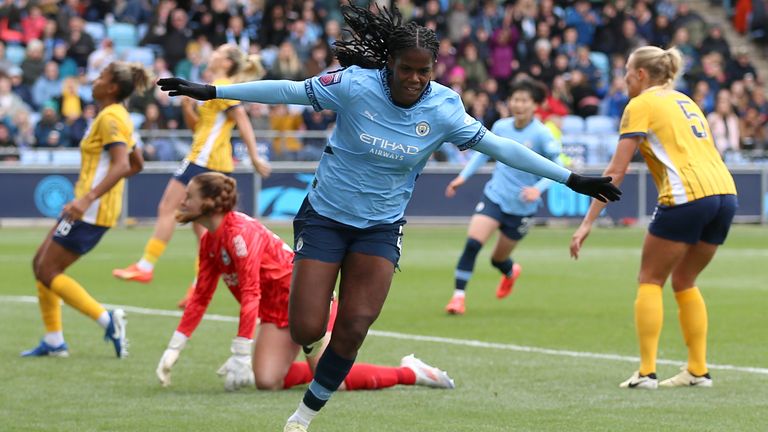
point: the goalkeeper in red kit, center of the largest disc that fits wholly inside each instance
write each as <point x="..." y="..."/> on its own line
<point x="256" y="266"/>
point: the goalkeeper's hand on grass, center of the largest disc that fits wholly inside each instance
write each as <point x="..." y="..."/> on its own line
<point x="182" y="87"/>
<point x="237" y="370"/>
<point x="169" y="358"/>
<point x="599" y="188"/>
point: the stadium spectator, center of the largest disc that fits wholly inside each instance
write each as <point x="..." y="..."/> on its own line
<point x="100" y="58"/>
<point x="10" y="103"/>
<point x="585" y="102"/>
<point x="753" y="129"/>
<point x="78" y="125"/>
<point x="446" y="60"/>
<point x="740" y="66"/>
<point x="509" y="199"/>
<point x="282" y="120"/>
<point x="67" y="66"/>
<point x="474" y="67"/>
<point x="662" y="31"/>
<point x="5" y="64"/>
<point x="274" y="26"/>
<point x="25" y="131"/>
<point x="256" y="266"/>
<point x="616" y="99"/>
<point x="10" y="22"/>
<point x="81" y="44"/>
<point x="191" y="67"/>
<point x="584" y="20"/>
<point x="84" y="220"/>
<point x="49" y="129"/>
<point x="320" y="58"/>
<point x="236" y="34"/>
<point x="458" y="22"/>
<point x="301" y="39"/>
<point x="50" y="38"/>
<point x="48" y="86"/>
<point x="18" y="87"/>
<point x="315" y="121"/>
<point x="502" y="60"/>
<point x="704" y="96"/>
<point x="715" y="42"/>
<point x="174" y="42"/>
<point x="287" y="66"/>
<point x="691" y="21"/>
<point x="540" y="66"/>
<point x="724" y="124"/>
<point x="8" y="145"/>
<point x="693" y="214"/>
<point x="349" y="224"/>
<point x="32" y="23"/>
<point x="33" y="63"/>
<point x="131" y="11"/>
<point x="158" y="26"/>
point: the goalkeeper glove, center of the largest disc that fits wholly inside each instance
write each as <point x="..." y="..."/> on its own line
<point x="237" y="370"/>
<point x="171" y="354"/>
<point x="180" y="87"/>
<point x="599" y="188"/>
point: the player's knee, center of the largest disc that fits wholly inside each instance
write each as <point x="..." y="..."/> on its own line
<point x="45" y="274"/>
<point x="354" y="330"/>
<point x="306" y="332"/>
<point x="265" y="381"/>
<point x="682" y="282"/>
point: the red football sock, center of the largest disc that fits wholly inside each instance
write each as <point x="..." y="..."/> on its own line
<point x="299" y="373"/>
<point x="365" y="376"/>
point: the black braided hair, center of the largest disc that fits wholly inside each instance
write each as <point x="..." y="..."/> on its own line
<point x="376" y="36"/>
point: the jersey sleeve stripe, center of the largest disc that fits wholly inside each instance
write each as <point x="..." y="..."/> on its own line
<point x="475" y="139"/>
<point x="116" y="143"/>
<point x="311" y="95"/>
<point x="633" y="134"/>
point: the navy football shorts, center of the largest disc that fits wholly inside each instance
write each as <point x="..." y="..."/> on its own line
<point x="320" y="238"/>
<point x="78" y="236"/>
<point x="187" y="170"/>
<point x="512" y="226"/>
<point x="706" y="219"/>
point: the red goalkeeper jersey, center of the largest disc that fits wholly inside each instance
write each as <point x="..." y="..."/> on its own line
<point x="246" y="255"/>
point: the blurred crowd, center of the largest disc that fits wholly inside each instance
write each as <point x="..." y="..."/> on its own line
<point x="52" y="50"/>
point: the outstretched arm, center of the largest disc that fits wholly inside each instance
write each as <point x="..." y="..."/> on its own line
<point x="268" y="92"/>
<point x="518" y="156"/>
<point x="477" y="160"/>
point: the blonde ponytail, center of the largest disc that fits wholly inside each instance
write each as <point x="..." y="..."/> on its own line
<point x="662" y="65"/>
<point x="250" y="69"/>
<point x="130" y="77"/>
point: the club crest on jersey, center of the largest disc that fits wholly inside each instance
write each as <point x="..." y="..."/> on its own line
<point x="299" y="244"/>
<point x="330" y="79"/>
<point x="225" y="257"/>
<point x="422" y="129"/>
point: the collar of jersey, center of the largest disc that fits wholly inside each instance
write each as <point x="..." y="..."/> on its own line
<point x="384" y="74"/>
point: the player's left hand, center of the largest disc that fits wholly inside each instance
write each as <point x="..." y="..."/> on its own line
<point x="237" y="370"/>
<point x="75" y="209"/>
<point x="530" y="194"/>
<point x="599" y="188"/>
<point x="262" y="167"/>
<point x="578" y="239"/>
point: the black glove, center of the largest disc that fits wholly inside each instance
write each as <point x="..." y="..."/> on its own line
<point x="599" y="188"/>
<point x="180" y="87"/>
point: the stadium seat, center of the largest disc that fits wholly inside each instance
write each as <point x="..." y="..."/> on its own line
<point x="137" y="119"/>
<point x="601" y="61"/>
<point x="96" y="30"/>
<point x="65" y="157"/>
<point x="15" y="54"/>
<point x="141" y="55"/>
<point x="123" y="35"/>
<point x="572" y="125"/>
<point x="600" y="124"/>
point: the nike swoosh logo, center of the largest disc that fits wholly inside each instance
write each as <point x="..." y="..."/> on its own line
<point x="633" y="384"/>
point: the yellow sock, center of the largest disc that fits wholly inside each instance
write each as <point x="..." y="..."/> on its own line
<point x="154" y="250"/>
<point x="76" y="296"/>
<point x="693" y="320"/>
<point x="50" y="308"/>
<point x="649" y="317"/>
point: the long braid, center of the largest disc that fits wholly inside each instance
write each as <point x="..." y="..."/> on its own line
<point x="376" y="36"/>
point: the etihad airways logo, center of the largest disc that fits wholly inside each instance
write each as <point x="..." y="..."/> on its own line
<point x="381" y="145"/>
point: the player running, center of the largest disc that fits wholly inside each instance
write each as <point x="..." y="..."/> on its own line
<point x="696" y="204"/>
<point x="391" y="117"/>
<point x="108" y="157"/>
<point x="509" y="199"/>
<point x="256" y="265"/>
<point x="212" y="123"/>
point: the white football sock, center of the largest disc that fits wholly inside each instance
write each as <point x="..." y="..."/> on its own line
<point x="104" y="319"/>
<point x="54" y="339"/>
<point x="303" y="415"/>
<point x="459" y="293"/>
<point x="145" y="265"/>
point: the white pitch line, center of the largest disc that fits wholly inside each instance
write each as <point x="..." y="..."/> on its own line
<point x="435" y="339"/>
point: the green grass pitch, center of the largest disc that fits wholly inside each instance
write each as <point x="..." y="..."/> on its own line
<point x="575" y="311"/>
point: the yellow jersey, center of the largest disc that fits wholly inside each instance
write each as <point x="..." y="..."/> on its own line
<point x="112" y="125"/>
<point x="677" y="146"/>
<point x="211" y="146"/>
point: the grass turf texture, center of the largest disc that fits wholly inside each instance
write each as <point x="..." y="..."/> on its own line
<point x="583" y="306"/>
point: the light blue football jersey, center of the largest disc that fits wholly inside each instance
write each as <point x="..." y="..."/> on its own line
<point x="506" y="184"/>
<point x="377" y="150"/>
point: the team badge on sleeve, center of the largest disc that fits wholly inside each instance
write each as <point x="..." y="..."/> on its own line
<point x="422" y="129"/>
<point x="330" y="79"/>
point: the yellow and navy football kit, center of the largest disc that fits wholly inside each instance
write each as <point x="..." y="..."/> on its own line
<point x="112" y="126"/>
<point x="211" y="144"/>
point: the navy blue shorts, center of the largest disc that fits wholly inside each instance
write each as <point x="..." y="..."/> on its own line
<point x="320" y="238"/>
<point x="512" y="226"/>
<point x="706" y="219"/>
<point x="78" y="236"/>
<point x="187" y="170"/>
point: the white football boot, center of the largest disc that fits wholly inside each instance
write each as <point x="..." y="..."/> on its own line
<point x="637" y="381"/>
<point x="427" y="375"/>
<point x="687" y="379"/>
